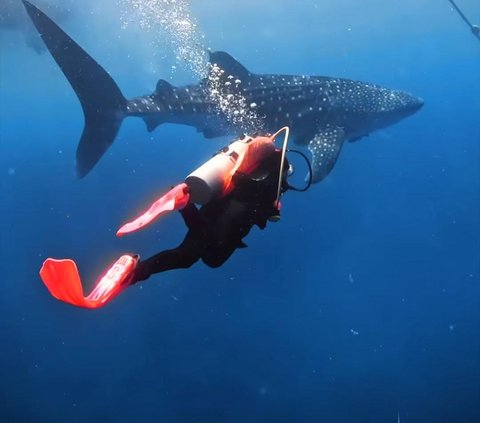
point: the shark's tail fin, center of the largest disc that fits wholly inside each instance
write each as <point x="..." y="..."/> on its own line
<point x="102" y="102"/>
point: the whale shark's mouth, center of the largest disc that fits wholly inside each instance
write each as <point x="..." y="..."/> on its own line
<point x="419" y="104"/>
<point x="406" y="104"/>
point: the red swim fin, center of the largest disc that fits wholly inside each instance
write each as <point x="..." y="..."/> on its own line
<point x="175" y="199"/>
<point x="63" y="281"/>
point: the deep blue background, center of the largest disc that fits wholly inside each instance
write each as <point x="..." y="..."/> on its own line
<point x="387" y="247"/>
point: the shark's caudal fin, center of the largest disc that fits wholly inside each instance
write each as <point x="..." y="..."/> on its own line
<point x="102" y="102"/>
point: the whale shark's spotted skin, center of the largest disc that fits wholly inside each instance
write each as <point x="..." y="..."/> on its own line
<point x="322" y="112"/>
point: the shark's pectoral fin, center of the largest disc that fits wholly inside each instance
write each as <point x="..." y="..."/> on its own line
<point x="325" y="148"/>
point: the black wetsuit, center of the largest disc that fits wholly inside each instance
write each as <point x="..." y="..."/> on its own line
<point x="217" y="229"/>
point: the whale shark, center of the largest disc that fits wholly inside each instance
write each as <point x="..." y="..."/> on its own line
<point x="14" y="18"/>
<point x="322" y="112"/>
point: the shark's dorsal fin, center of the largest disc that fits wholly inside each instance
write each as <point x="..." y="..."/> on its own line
<point x="162" y="96"/>
<point x="228" y="64"/>
<point x="163" y="87"/>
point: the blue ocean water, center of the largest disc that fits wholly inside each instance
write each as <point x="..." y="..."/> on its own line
<point x="361" y="305"/>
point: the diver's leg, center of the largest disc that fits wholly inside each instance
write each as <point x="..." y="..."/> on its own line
<point x="181" y="257"/>
<point x="191" y="217"/>
<point x="215" y="256"/>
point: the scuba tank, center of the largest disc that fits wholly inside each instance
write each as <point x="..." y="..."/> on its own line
<point x="212" y="179"/>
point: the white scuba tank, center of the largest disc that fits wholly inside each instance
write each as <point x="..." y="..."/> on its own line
<point x="208" y="181"/>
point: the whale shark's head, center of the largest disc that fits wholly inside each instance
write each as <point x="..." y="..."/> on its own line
<point x="400" y="104"/>
<point x="391" y="106"/>
<point x="371" y="107"/>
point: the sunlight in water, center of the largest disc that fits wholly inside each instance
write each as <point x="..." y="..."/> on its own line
<point x="172" y="19"/>
<point x="226" y="92"/>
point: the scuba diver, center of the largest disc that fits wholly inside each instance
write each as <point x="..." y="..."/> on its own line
<point x="474" y="28"/>
<point x="217" y="229"/>
<point x="238" y="188"/>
